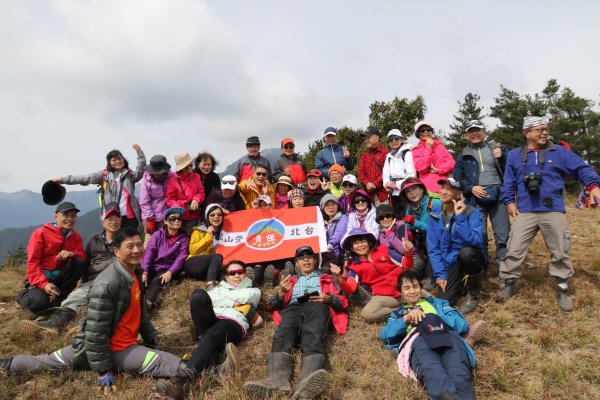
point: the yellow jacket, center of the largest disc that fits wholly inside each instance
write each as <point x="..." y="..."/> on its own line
<point x="201" y="242"/>
<point x="249" y="195"/>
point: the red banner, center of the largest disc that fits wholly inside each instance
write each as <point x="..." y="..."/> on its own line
<point x="260" y="235"/>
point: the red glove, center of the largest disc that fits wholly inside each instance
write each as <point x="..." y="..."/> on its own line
<point x="409" y="219"/>
<point x="150" y="226"/>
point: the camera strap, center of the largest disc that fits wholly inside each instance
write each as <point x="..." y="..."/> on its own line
<point x="541" y="158"/>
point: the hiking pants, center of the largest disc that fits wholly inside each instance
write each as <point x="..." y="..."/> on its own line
<point x="213" y="333"/>
<point x="305" y="324"/>
<point x="380" y="308"/>
<point x="556" y="236"/>
<point x="470" y="262"/>
<point x="443" y="369"/>
<point x="500" y="225"/>
<point x="135" y="358"/>
<point x="204" y="267"/>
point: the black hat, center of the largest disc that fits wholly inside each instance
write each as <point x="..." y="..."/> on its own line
<point x="370" y="132"/>
<point x="385" y="209"/>
<point x="158" y="165"/>
<point x="252" y="140"/>
<point x="435" y="331"/>
<point x="66" y="206"/>
<point x="304" y="251"/>
<point x="53" y="193"/>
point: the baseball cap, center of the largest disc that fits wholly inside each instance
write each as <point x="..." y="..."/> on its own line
<point x="475" y="124"/>
<point x="350" y="178"/>
<point x="304" y="251"/>
<point x="452" y="182"/>
<point x="109" y="209"/>
<point x="371" y="132"/>
<point x="228" y="182"/>
<point x="66" y="206"/>
<point x="435" y="331"/>
<point x="265" y="198"/>
<point x="314" y="172"/>
<point x="330" y="131"/>
<point x="286" y="140"/>
<point x="394" y="132"/>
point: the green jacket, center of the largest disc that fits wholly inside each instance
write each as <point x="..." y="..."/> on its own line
<point x="108" y="300"/>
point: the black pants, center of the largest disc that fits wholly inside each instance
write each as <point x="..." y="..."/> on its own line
<point x="129" y="222"/>
<point x="305" y="324"/>
<point x="35" y="299"/>
<point x="215" y="332"/>
<point x="204" y="267"/>
<point x="470" y="262"/>
<point x="155" y="286"/>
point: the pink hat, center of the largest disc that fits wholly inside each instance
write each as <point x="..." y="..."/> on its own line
<point x="420" y="124"/>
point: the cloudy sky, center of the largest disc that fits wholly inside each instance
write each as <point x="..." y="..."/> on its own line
<point x="79" y="78"/>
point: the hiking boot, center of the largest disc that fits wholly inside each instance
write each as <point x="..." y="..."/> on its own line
<point x="232" y="360"/>
<point x="313" y="377"/>
<point x="508" y="290"/>
<point x="5" y="364"/>
<point x="250" y="274"/>
<point x="473" y="296"/>
<point x="174" y="387"/>
<point x="280" y="367"/>
<point x="564" y="300"/>
<point x="269" y="276"/>
<point x="287" y="270"/>
<point x="57" y="321"/>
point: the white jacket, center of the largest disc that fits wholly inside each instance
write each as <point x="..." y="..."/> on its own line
<point x="225" y="295"/>
<point x="398" y="167"/>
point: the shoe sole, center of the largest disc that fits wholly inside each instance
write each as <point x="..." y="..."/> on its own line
<point x="256" y="391"/>
<point x="250" y="274"/>
<point x="31" y="328"/>
<point x="269" y="276"/>
<point x="312" y="386"/>
<point x="232" y="360"/>
<point x="164" y="387"/>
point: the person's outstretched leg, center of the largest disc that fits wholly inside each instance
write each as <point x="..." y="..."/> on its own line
<point x="429" y="368"/>
<point x="202" y="311"/>
<point x="60" y="359"/>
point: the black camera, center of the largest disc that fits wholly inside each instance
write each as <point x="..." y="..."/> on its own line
<point x="533" y="182"/>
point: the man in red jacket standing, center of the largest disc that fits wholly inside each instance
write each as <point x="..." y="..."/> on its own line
<point x="371" y="164"/>
<point x="55" y="261"/>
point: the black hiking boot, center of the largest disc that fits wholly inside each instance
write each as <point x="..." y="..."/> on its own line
<point x="508" y="290"/>
<point x="313" y="377"/>
<point x="473" y="295"/>
<point x="280" y="367"/>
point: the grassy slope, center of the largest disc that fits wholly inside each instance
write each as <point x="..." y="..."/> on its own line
<point x="530" y="351"/>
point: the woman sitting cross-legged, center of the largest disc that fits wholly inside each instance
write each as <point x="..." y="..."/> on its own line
<point x="426" y="332"/>
<point x="203" y="263"/>
<point x="222" y="318"/>
<point x="377" y="267"/>
<point x="165" y="254"/>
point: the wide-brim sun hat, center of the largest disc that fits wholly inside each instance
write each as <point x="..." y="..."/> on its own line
<point x="182" y="160"/>
<point x="357" y="232"/>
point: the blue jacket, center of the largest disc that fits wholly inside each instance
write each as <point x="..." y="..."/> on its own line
<point x="444" y="244"/>
<point x="394" y="330"/>
<point x="558" y="162"/>
<point x="466" y="169"/>
<point x="330" y="155"/>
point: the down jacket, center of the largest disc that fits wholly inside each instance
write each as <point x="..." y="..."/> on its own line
<point x="225" y="295"/>
<point x="109" y="299"/>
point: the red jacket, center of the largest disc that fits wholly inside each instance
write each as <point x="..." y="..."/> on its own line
<point x="370" y="170"/>
<point x="339" y="319"/>
<point x="379" y="272"/>
<point x="44" y="245"/>
<point x="181" y="190"/>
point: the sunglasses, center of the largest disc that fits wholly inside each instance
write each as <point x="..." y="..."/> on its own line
<point x="386" y="216"/>
<point x="261" y="173"/>
<point x="357" y="201"/>
<point x="393" y="139"/>
<point x="235" y="272"/>
<point x="174" y="219"/>
<point x="289" y="146"/>
<point x="423" y="130"/>
<point x="348" y="185"/>
<point x="228" y="182"/>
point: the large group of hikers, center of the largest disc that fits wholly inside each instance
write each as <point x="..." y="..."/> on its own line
<point x="413" y="221"/>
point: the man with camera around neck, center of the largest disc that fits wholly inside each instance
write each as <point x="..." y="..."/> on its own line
<point x="533" y="193"/>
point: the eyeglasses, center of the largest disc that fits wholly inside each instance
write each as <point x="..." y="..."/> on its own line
<point x="289" y="146"/>
<point x="393" y="139"/>
<point x="235" y="272"/>
<point x="386" y="216"/>
<point x="174" y="219"/>
<point x="305" y="257"/>
<point x="357" y="201"/>
<point x="261" y="173"/>
<point x="540" y="129"/>
<point x="348" y="185"/>
<point x="228" y="182"/>
<point x="423" y="130"/>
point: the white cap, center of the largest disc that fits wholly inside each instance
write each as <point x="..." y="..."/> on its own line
<point x="265" y="198"/>
<point x="228" y="182"/>
<point x="350" y="178"/>
<point x="394" y="132"/>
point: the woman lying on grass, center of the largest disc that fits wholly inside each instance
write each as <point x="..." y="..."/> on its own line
<point x="426" y="332"/>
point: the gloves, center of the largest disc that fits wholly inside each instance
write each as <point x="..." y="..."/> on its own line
<point x="409" y="219"/>
<point x="150" y="226"/>
<point x="106" y="379"/>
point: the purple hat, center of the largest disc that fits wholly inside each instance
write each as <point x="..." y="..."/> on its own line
<point x="347" y="243"/>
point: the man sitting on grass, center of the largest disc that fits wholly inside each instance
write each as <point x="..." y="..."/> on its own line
<point x="107" y="341"/>
<point x="311" y="304"/>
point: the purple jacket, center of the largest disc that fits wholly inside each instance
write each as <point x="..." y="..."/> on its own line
<point x="390" y="238"/>
<point x="336" y="232"/>
<point x="152" y="197"/>
<point x="159" y="256"/>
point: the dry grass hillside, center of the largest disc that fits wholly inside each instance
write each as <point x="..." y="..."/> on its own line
<point x="531" y="350"/>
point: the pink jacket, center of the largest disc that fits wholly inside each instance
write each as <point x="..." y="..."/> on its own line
<point x="437" y="156"/>
<point x="181" y="190"/>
